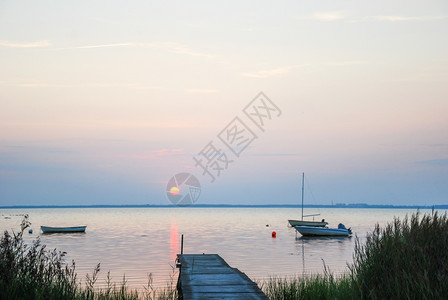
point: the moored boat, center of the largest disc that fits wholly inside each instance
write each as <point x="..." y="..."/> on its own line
<point x="48" y="229"/>
<point x="323" y="231"/>
<point x="307" y="223"/>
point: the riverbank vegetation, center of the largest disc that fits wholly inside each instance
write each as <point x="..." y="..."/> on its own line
<point x="407" y="259"/>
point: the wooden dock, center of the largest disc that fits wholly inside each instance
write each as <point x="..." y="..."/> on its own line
<point x="208" y="276"/>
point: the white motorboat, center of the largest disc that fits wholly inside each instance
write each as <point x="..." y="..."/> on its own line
<point x="323" y="231"/>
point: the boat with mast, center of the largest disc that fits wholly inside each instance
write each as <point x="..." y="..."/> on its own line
<point x="301" y="222"/>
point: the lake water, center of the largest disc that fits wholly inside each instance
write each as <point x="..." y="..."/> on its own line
<point x="138" y="241"/>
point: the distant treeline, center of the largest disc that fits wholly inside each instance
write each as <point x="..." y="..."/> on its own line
<point x="337" y="205"/>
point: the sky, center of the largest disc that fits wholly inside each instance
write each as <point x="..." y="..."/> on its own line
<point x="103" y="102"/>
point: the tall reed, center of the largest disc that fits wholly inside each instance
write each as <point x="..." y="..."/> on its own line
<point x="309" y="287"/>
<point x="33" y="272"/>
<point x="406" y="259"/>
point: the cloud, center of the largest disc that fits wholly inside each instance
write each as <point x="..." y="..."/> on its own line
<point x="34" y="149"/>
<point x="343" y="15"/>
<point x="201" y="91"/>
<point x="443" y="162"/>
<point x="345" y="63"/>
<point x="435" y="145"/>
<point x="104" y="46"/>
<point x="140" y="124"/>
<point x="402" y="18"/>
<point x="267" y="73"/>
<point x="35" y="168"/>
<point x="102" y="124"/>
<point x="174" y="47"/>
<point x="171" y="47"/>
<point x="329" y="16"/>
<point x="37" y="44"/>
<point x="156" y="154"/>
<point x="131" y="86"/>
<point x="97" y="46"/>
<point x="275" y="154"/>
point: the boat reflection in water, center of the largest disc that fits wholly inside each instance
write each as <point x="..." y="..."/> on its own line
<point x="322" y="254"/>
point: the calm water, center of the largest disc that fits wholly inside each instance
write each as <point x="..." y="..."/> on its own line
<point x="138" y="241"/>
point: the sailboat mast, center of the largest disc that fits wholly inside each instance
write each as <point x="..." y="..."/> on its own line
<point x="303" y="185"/>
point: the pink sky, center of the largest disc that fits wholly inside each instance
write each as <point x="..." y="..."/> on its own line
<point x="102" y="103"/>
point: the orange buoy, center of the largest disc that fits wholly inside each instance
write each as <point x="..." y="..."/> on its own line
<point x="274" y="234"/>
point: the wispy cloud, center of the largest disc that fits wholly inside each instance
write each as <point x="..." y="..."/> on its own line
<point x="161" y="153"/>
<point x="171" y="47"/>
<point x="329" y="16"/>
<point x="443" y="162"/>
<point x="345" y="16"/>
<point x="131" y="86"/>
<point x="95" y="46"/>
<point x="435" y="145"/>
<point x="32" y="167"/>
<point x="276" y="154"/>
<point x="345" y="63"/>
<point x="268" y="73"/>
<point x="104" y="46"/>
<point x="138" y="124"/>
<point x="37" y="44"/>
<point x="201" y="91"/>
<point x="102" y="124"/>
<point x="395" y="18"/>
<point x="174" y="47"/>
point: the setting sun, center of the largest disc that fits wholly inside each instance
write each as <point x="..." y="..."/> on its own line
<point x="174" y="190"/>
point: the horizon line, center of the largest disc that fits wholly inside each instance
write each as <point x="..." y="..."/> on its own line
<point x="339" y="205"/>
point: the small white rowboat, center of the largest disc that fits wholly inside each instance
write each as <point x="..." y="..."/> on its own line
<point x="47" y="229"/>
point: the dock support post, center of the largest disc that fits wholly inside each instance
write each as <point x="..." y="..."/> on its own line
<point x="182" y="244"/>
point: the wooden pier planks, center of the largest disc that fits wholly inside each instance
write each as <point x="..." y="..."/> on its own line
<point x="208" y="276"/>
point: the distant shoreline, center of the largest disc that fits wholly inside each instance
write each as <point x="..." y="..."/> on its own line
<point x="348" y="205"/>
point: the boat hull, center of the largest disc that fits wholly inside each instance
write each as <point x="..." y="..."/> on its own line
<point x="322" y="231"/>
<point x="307" y="223"/>
<point x="47" y="229"/>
